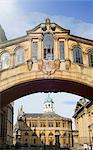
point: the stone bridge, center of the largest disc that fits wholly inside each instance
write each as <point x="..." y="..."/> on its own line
<point x="47" y="58"/>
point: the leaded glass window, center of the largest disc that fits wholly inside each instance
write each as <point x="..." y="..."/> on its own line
<point x="19" y="56"/>
<point x="90" y="56"/>
<point x="48" y="44"/>
<point x="77" y="52"/>
<point x="5" y="60"/>
<point x="35" y="50"/>
<point x="62" y="50"/>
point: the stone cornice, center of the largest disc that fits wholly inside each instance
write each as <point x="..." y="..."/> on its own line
<point x="14" y="41"/>
<point x="80" y="39"/>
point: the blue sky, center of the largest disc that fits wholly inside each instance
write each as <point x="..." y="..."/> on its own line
<point x="81" y="10"/>
<point x="18" y="16"/>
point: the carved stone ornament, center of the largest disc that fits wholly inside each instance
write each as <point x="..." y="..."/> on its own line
<point x="29" y="64"/>
<point x="48" y="66"/>
<point x="67" y="63"/>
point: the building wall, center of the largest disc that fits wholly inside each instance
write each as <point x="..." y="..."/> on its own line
<point x="64" y="131"/>
<point x="84" y="124"/>
<point x="6" y="125"/>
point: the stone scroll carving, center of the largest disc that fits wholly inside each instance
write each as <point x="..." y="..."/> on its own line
<point x="48" y="66"/>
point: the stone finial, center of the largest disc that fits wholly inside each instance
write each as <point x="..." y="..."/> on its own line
<point x="47" y="21"/>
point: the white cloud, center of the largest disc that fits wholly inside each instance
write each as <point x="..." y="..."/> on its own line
<point x="16" y="24"/>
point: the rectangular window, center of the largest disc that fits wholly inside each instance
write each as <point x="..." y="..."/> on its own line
<point x="35" y="50"/>
<point x="50" y="124"/>
<point x="42" y="124"/>
<point x="34" y="124"/>
<point x="57" y="124"/>
<point x="62" y="50"/>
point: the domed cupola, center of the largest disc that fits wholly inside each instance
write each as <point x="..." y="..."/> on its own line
<point x="48" y="105"/>
<point x="2" y="35"/>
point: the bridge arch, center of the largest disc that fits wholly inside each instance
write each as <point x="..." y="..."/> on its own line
<point x="45" y="85"/>
<point x="60" y="74"/>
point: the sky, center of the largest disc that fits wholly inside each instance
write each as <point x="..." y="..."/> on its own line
<point x="18" y="16"/>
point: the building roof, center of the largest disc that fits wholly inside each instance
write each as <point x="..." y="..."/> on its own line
<point x="81" y="105"/>
<point x="45" y="116"/>
<point x="2" y="35"/>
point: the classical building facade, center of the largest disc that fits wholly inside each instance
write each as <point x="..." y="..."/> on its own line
<point x="6" y="126"/>
<point x="47" y="128"/>
<point x="84" y="122"/>
<point x="47" y="58"/>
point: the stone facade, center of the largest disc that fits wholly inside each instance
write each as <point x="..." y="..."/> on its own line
<point x="84" y="122"/>
<point x="47" y="52"/>
<point x="47" y="128"/>
<point x="6" y="126"/>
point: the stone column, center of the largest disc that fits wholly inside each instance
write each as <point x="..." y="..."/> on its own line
<point x="40" y="48"/>
<point x="29" y="56"/>
<point x="56" y="48"/>
<point x="12" y="60"/>
<point x="66" y="49"/>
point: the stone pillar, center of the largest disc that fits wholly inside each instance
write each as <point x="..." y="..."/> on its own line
<point x="12" y="60"/>
<point x="40" y="48"/>
<point x="56" y="48"/>
<point x="29" y="56"/>
<point x="66" y="48"/>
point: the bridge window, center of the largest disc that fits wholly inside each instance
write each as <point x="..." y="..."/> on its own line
<point x="19" y="56"/>
<point x="90" y="56"/>
<point x="48" y="45"/>
<point x="62" y="50"/>
<point x="77" y="52"/>
<point x="5" y="60"/>
<point x="34" y="50"/>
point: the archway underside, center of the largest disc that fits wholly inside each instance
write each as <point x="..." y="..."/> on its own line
<point x="45" y="85"/>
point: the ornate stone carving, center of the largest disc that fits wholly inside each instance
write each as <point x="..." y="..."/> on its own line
<point x="29" y="64"/>
<point x="67" y="63"/>
<point x="48" y="66"/>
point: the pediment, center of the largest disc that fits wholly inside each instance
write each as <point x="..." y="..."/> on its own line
<point x="48" y="27"/>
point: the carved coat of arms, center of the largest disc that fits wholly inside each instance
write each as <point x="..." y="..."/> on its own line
<point x="48" y="66"/>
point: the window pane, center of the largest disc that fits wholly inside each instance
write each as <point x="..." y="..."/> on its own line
<point x="34" y="124"/>
<point x="77" y="53"/>
<point x="90" y="55"/>
<point x="50" y="124"/>
<point x="19" y="56"/>
<point x="48" y="44"/>
<point x="62" y="50"/>
<point x="42" y="124"/>
<point x="34" y="50"/>
<point x="5" y="60"/>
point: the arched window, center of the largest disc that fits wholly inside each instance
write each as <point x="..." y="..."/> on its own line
<point x="90" y="57"/>
<point x="77" y="52"/>
<point x="19" y="56"/>
<point x="48" y="44"/>
<point x="5" y="60"/>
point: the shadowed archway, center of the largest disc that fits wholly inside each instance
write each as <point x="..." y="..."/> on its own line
<point x="45" y="85"/>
